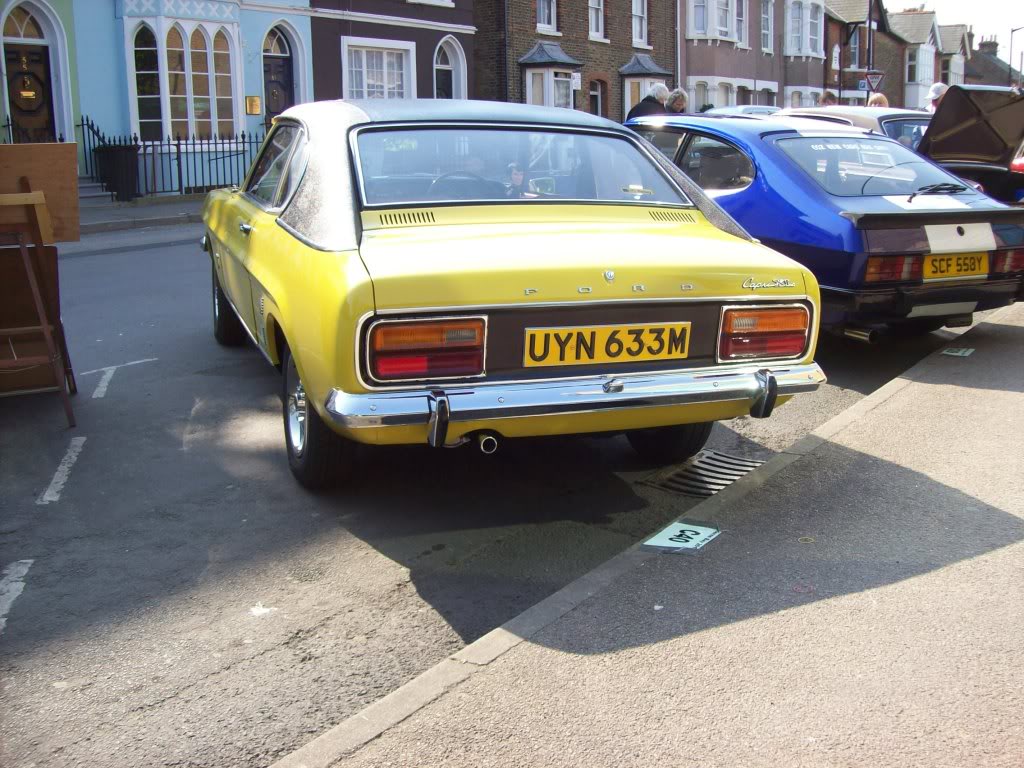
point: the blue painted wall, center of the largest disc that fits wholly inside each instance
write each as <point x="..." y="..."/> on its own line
<point x="102" y="79"/>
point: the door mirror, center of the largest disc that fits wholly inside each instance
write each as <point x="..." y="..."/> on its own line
<point x="544" y="185"/>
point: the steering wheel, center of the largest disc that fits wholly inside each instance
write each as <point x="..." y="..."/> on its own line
<point x="453" y="175"/>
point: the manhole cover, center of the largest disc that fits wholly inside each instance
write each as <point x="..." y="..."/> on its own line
<point x="705" y="474"/>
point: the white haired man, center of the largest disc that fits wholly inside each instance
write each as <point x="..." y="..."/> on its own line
<point x="651" y="104"/>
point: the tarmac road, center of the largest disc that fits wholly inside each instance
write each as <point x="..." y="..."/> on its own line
<point x="188" y="604"/>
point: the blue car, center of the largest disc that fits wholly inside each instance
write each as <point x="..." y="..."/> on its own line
<point x="894" y="240"/>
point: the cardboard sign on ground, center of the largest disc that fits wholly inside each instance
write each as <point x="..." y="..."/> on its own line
<point x="51" y="169"/>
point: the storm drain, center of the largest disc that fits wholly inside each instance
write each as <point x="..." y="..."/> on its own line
<point x="705" y="474"/>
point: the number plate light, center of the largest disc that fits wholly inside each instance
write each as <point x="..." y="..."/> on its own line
<point x="751" y="334"/>
<point x="421" y="349"/>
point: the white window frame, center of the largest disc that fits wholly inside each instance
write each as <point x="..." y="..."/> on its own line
<point x="798" y="33"/>
<point x="912" y="62"/>
<point x="740" y="24"/>
<point x="457" y="59"/>
<point x="595" y="90"/>
<point x="595" y="11"/>
<point x="407" y="48"/>
<point x="638" y="17"/>
<point x="768" y="13"/>
<point x="160" y="26"/>
<point x="552" y="6"/>
<point x="694" y="30"/>
<point x="855" y="49"/>
<point x="550" y="75"/>
<point x="814" y="18"/>
<point x="724" y="9"/>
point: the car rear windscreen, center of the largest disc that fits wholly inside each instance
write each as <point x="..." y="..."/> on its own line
<point x="853" y="167"/>
<point x="401" y="166"/>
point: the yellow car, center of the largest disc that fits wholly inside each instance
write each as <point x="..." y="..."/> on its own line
<point x="444" y="272"/>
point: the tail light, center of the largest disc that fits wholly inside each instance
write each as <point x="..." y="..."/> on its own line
<point x="423" y="349"/>
<point x="763" y="332"/>
<point x="1017" y="165"/>
<point x="1008" y="261"/>
<point x="884" y="269"/>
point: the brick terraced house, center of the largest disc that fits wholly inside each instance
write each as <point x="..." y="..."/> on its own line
<point x="855" y="46"/>
<point x="600" y="56"/>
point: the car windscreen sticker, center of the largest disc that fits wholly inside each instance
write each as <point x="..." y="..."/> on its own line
<point x="960" y="238"/>
<point x="926" y="202"/>
<point x="683" y="536"/>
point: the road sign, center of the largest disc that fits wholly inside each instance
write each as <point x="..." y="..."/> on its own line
<point x="874" y="78"/>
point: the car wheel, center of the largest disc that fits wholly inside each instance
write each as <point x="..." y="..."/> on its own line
<point x="317" y="456"/>
<point x="670" y="445"/>
<point x="916" y="327"/>
<point x="227" y="328"/>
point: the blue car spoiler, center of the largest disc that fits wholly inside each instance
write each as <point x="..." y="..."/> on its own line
<point x="905" y="219"/>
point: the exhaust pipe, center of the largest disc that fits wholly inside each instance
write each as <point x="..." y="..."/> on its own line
<point x="488" y="443"/>
<point x="868" y="335"/>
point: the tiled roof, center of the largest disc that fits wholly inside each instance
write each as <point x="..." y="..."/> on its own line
<point x="952" y="37"/>
<point x="849" y="10"/>
<point x="914" y="26"/>
<point x="642" y="64"/>
<point x="986" y="69"/>
<point x="544" y="54"/>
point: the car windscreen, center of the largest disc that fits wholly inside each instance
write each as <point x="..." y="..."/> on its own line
<point x="907" y="131"/>
<point x="852" y="167"/>
<point x="486" y="164"/>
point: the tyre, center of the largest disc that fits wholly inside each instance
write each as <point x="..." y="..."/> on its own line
<point x="317" y="456"/>
<point x="670" y="445"/>
<point x="227" y="328"/>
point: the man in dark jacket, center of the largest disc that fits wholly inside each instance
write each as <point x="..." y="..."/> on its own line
<point x="651" y="104"/>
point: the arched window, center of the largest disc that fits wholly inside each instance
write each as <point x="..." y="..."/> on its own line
<point x="202" y="109"/>
<point x="797" y="99"/>
<point x="177" y="84"/>
<point x="449" y="70"/>
<point x="700" y="96"/>
<point x="599" y="98"/>
<point x="224" y="87"/>
<point x="278" y="74"/>
<point x="147" y="85"/>
<point x="22" y="24"/>
<point x="443" y="75"/>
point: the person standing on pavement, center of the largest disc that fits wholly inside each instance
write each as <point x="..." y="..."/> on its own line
<point x="676" y="103"/>
<point x="935" y="94"/>
<point x="878" y="100"/>
<point x="828" y="99"/>
<point x="651" y="104"/>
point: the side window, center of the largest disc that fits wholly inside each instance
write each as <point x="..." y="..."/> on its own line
<point x="666" y="141"/>
<point x="271" y="165"/>
<point x="714" y="165"/>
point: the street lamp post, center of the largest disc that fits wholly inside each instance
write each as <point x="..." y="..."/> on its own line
<point x="1009" y="69"/>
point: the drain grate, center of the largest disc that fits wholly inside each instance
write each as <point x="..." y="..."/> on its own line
<point x="705" y="474"/>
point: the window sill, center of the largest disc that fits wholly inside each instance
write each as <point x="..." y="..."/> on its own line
<point x="643" y="45"/>
<point x="551" y="31"/>
<point x="599" y="39"/>
<point x="439" y="3"/>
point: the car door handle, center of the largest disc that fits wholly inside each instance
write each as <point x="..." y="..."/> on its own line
<point x="244" y="228"/>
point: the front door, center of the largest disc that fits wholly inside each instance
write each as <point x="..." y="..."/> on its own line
<point x="28" y="89"/>
<point x="278" y="85"/>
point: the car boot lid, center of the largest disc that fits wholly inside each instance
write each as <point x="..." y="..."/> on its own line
<point x="976" y="124"/>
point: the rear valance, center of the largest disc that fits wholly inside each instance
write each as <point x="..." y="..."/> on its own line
<point x="905" y="219"/>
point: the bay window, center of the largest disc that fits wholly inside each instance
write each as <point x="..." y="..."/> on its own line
<point x="549" y="87"/>
<point x="723" y="17"/>
<point x="767" y="25"/>
<point x="700" y="17"/>
<point x="796" y="27"/>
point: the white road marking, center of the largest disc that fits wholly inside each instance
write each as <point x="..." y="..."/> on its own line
<point x="11" y="585"/>
<point x="63" y="472"/>
<point x="108" y="374"/>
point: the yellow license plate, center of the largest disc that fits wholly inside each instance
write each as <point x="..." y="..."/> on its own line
<point x="588" y="345"/>
<point x="940" y="266"/>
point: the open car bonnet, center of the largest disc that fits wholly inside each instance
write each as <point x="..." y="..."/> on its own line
<point x="978" y="124"/>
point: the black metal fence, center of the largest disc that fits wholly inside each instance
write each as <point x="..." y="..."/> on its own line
<point x="132" y="168"/>
<point x="11" y="133"/>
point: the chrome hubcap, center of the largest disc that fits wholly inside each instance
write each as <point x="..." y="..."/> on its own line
<point x="297" y="410"/>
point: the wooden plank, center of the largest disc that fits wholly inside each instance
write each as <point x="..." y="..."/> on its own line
<point x="51" y="169"/>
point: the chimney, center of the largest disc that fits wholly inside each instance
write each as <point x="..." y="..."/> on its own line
<point x="991" y="47"/>
<point x="970" y="37"/>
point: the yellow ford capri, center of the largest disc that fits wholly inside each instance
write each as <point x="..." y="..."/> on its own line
<point x="443" y="273"/>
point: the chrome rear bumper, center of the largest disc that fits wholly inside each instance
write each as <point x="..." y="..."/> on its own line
<point x="438" y="407"/>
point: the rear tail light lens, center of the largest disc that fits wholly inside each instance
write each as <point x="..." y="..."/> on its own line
<point x="1017" y="165"/>
<point x="1008" y="261"/>
<point x="884" y="269"/>
<point x="751" y="334"/>
<point x="424" y="349"/>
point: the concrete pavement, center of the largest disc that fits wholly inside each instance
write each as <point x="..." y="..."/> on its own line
<point x="145" y="212"/>
<point x="863" y="606"/>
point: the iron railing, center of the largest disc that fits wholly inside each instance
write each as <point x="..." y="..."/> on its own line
<point x="10" y="133"/>
<point x="133" y="168"/>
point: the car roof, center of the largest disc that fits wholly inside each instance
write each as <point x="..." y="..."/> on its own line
<point x="878" y="113"/>
<point x="750" y="127"/>
<point x="330" y="115"/>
